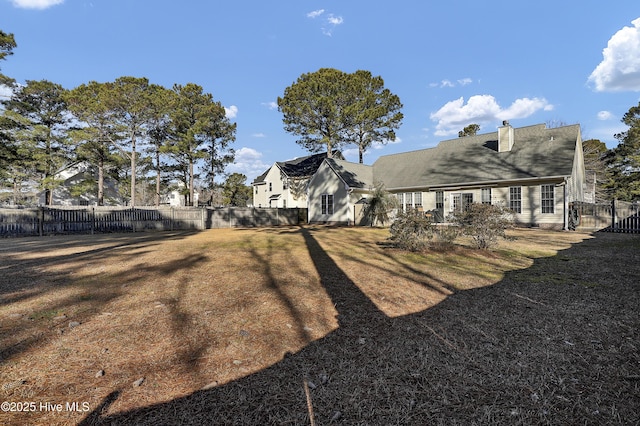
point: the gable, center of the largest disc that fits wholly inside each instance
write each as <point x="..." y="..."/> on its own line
<point x="301" y="167"/>
<point x="354" y="175"/>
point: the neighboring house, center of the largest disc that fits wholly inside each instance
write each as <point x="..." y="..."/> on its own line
<point x="534" y="171"/>
<point x="285" y="183"/>
<point x="79" y="174"/>
<point x="176" y="198"/>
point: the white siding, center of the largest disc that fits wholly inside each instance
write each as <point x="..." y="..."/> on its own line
<point x="531" y="214"/>
<point x="293" y="196"/>
<point x="325" y="181"/>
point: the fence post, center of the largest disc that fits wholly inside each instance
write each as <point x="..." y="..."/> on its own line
<point x="41" y="221"/>
<point x="613" y="215"/>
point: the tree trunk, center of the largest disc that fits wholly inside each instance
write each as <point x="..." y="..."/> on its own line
<point x="16" y="191"/>
<point x="133" y="171"/>
<point x="101" y="182"/>
<point x="191" y="182"/>
<point x="157" y="178"/>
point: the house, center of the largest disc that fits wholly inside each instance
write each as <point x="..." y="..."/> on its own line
<point x="338" y="192"/>
<point x="534" y="171"/>
<point x="81" y="175"/>
<point x="176" y="197"/>
<point x="285" y="183"/>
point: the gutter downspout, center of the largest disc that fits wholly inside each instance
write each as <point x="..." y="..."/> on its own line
<point x="565" y="204"/>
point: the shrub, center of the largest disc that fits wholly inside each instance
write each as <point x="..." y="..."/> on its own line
<point x="484" y="223"/>
<point x="380" y="204"/>
<point x="411" y="231"/>
<point x="445" y="235"/>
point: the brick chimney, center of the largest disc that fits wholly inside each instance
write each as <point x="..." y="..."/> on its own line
<point x="505" y="137"/>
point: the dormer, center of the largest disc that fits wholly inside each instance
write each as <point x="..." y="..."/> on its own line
<point x="505" y="137"/>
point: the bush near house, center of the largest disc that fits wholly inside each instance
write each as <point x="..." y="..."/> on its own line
<point x="484" y="223"/>
<point x="412" y="231"/>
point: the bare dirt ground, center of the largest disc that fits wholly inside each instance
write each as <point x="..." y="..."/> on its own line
<point x="314" y="325"/>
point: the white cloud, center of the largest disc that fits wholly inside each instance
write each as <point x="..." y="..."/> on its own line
<point x="231" y="112"/>
<point x="525" y="107"/>
<point x="620" y="67"/>
<point x="329" y="24"/>
<point x="270" y="105"/>
<point x="604" y="115"/>
<point x="259" y="135"/>
<point x="315" y="13"/>
<point x="351" y="154"/>
<point x="448" y="83"/>
<point x="335" y="20"/>
<point x="248" y="161"/>
<point x="454" y="115"/>
<point x="36" y="4"/>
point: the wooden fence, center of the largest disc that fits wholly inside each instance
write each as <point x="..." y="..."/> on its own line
<point x="617" y="216"/>
<point x="88" y="220"/>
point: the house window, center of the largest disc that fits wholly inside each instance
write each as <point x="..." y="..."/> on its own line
<point x="456" y="202"/>
<point x="400" y="196"/>
<point x="515" y="198"/>
<point x="327" y="203"/>
<point x="467" y="200"/>
<point x="486" y="195"/>
<point x="547" y="198"/>
<point x="461" y="202"/>
<point x="285" y="184"/>
<point x="408" y="201"/>
<point x="270" y="186"/>
<point x="417" y="199"/>
<point x="440" y="200"/>
<point x="284" y="204"/>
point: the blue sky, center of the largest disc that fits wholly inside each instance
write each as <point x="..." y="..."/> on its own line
<point x="451" y="63"/>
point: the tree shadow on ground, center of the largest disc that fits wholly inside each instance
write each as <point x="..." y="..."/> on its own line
<point x="25" y="278"/>
<point x="558" y="343"/>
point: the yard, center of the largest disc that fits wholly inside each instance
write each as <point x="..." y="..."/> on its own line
<point x="264" y="326"/>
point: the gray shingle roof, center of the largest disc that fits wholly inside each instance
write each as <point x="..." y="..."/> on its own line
<point x="537" y="152"/>
<point x="299" y="167"/>
<point x="355" y="175"/>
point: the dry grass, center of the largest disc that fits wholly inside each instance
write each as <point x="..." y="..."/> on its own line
<point x="254" y="326"/>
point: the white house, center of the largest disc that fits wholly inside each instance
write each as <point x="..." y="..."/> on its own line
<point x="78" y="174"/>
<point x="534" y="171"/>
<point x="285" y="183"/>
